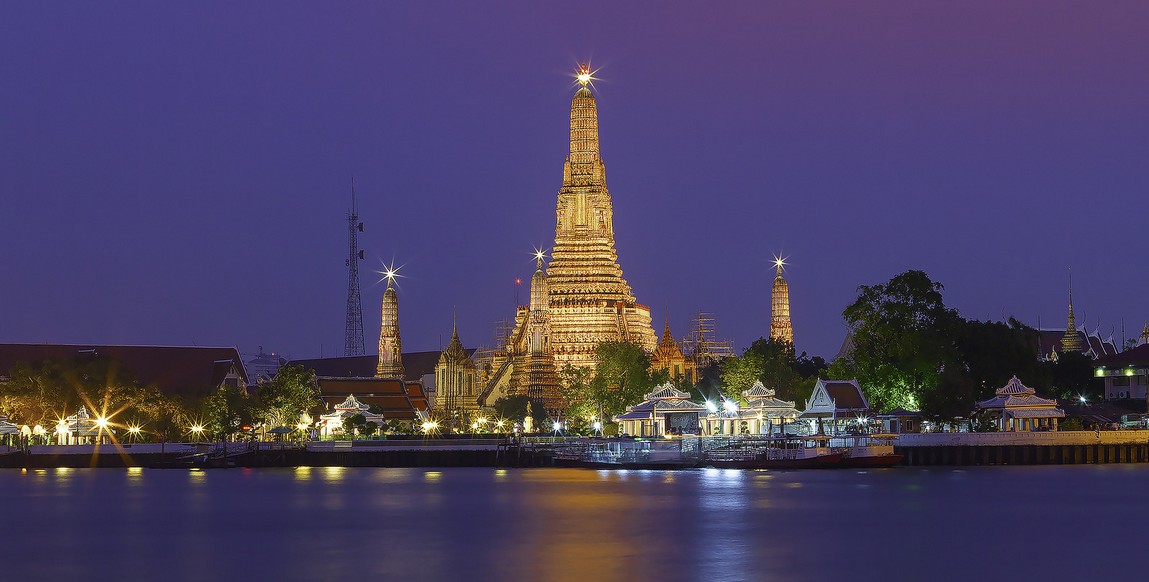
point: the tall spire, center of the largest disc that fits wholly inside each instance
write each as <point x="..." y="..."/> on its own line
<point x="667" y="340"/>
<point x="1071" y="342"/>
<point x="390" y="344"/>
<point x="781" y="329"/>
<point x="584" y="165"/>
<point x="1144" y="334"/>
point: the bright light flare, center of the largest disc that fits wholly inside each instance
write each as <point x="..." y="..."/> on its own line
<point x="779" y="263"/>
<point x="585" y="75"/>
<point x="730" y="406"/>
<point x="557" y="426"/>
<point x="389" y="273"/>
<point x="712" y="407"/>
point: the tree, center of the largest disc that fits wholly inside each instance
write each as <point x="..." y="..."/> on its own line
<point x="514" y="408"/>
<point x="283" y="399"/>
<point x="353" y="422"/>
<point x="622" y="376"/>
<point x="902" y="339"/>
<point x="226" y="411"/>
<point x="774" y="364"/>
<point x="370" y="428"/>
<point x="1072" y="376"/>
<point x="575" y="385"/>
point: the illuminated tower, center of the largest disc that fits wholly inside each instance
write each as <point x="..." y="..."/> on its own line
<point x="390" y="344"/>
<point x="534" y="373"/>
<point x="781" y="330"/>
<point x="1144" y="339"/>
<point x="589" y="301"/>
<point x="1071" y="342"/>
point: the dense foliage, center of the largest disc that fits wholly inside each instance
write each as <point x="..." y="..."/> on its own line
<point x="911" y="351"/>
<point x="773" y="363"/>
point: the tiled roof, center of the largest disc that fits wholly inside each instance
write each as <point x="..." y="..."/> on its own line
<point x="1138" y="356"/>
<point x="846" y="394"/>
<point x="397" y="399"/>
<point x="415" y="365"/>
<point x="171" y="369"/>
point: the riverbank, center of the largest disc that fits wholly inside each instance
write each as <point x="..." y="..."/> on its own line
<point x="953" y="449"/>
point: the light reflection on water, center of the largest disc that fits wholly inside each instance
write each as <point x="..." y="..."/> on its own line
<point x="554" y="524"/>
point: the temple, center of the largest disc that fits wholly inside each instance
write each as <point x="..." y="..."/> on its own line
<point x="456" y="380"/>
<point x="589" y="301"/>
<point x="390" y="344"/>
<point x="581" y="299"/>
<point x="669" y="357"/>
<point x="534" y="374"/>
<point x="781" y="330"/>
<point x="1070" y="342"/>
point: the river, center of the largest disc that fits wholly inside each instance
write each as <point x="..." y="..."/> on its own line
<point x="992" y="523"/>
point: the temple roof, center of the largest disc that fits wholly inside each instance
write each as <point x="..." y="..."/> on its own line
<point x="1015" y="395"/>
<point x="758" y="390"/>
<point x="171" y="369"/>
<point x="415" y="364"/>
<point x="1138" y="356"/>
<point x="668" y="391"/>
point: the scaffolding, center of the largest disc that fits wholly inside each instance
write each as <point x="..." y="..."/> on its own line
<point x="702" y="345"/>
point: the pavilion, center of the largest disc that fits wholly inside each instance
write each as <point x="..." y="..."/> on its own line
<point x="8" y="431"/>
<point x="837" y="403"/>
<point x="664" y="409"/>
<point x="81" y="428"/>
<point x="1018" y="408"/>
<point x="762" y="412"/>
<point x="331" y="424"/>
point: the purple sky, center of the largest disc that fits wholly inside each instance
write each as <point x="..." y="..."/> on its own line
<point x="179" y="173"/>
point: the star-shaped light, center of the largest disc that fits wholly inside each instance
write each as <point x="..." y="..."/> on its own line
<point x="540" y="255"/>
<point x="779" y="263"/>
<point x="389" y="273"/>
<point x="585" y="75"/>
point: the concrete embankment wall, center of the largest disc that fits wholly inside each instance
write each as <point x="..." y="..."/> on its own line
<point x="368" y="454"/>
<point x="1025" y="448"/>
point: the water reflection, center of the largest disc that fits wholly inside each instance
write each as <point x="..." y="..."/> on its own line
<point x="303" y="473"/>
<point x="333" y="474"/>
<point x="535" y="524"/>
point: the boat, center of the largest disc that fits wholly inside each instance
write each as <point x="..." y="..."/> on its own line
<point x="867" y="451"/>
<point x="623" y="453"/>
<point x="809" y="452"/>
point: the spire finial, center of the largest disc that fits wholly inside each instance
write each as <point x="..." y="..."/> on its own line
<point x="540" y="254"/>
<point x="779" y="263"/>
<point x="584" y="75"/>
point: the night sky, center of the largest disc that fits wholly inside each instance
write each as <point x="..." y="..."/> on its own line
<point x="179" y="173"/>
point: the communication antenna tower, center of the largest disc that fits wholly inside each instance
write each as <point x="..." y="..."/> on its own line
<point x="354" y="326"/>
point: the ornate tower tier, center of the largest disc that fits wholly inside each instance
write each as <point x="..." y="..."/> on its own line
<point x="390" y="344"/>
<point x="780" y="327"/>
<point x="534" y="372"/>
<point x="1071" y="342"/>
<point x="589" y="301"/>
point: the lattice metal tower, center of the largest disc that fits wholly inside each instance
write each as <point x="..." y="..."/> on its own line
<point x="354" y="324"/>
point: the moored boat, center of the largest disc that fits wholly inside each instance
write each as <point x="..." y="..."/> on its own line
<point x="811" y="452"/>
<point x="868" y="451"/>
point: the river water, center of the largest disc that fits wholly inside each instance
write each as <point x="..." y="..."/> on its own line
<point x="993" y="523"/>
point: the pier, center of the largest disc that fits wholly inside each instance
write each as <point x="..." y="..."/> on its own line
<point x="1025" y="448"/>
